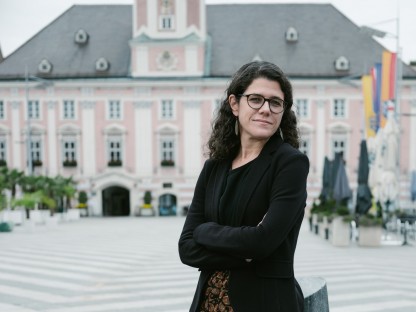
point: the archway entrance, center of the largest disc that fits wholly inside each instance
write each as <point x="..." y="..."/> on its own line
<point x="116" y="201"/>
<point x="167" y="205"/>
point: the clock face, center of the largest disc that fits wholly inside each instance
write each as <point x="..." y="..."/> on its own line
<point x="166" y="61"/>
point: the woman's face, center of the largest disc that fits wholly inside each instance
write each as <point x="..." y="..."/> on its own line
<point x="258" y="124"/>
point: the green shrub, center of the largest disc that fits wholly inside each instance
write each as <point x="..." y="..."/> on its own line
<point x="369" y="220"/>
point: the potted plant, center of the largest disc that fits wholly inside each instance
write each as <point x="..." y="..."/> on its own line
<point x="82" y="201"/>
<point x="167" y="163"/>
<point x="37" y="163"/>
<point x="370" y="230"/>
<point x="340" y="227"/>
<point x="115" y="163"/>
<point x="147" y="209"/>
<point x="4" y="225"/>
<point x="69" y="163"/>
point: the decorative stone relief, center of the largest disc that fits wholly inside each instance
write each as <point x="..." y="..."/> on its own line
<point x="166" y="61"/>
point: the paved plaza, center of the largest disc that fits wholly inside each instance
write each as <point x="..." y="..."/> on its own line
<point x="131" y="264"/>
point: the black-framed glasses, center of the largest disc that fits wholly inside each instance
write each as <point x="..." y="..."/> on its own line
<point x="256" y="101"/>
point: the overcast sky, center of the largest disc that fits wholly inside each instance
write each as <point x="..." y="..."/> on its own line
<point x="21" y="19"/>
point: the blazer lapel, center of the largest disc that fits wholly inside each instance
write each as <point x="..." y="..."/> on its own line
<point x="257" y="171"/>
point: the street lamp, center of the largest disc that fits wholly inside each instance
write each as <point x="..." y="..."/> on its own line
<point x="43" y="83"/>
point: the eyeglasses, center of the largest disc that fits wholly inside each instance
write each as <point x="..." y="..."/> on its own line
<point x="256" y="101"/>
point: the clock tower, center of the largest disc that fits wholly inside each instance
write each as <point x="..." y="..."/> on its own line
<point x="169" y="38"/>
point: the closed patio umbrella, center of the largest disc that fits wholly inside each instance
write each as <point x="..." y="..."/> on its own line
<point x="326" y="181"/>
<point x="413" y="186"/>
<point x="342" y="191"/>
<point x="363" y="190"/>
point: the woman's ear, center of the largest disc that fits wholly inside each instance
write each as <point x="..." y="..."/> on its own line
<point x="233" y="104"/>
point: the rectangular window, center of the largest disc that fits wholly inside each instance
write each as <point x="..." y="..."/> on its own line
<point x="339" y="108"/>
<point x="166" y="22"/>
<point x="114" y="110"/>
<point x="36" y="151"/>
<point x="69" y="151"/>
<point x="2" y="109"/>
<point x="68" y="109"/>
<point x="305" y="146"/>
<point x="302" y="106"/>
<point x="33" y="110"/>
<point x="3" y="154"/>
<point x="339" y="146"/>
<point x="167" y="109"/>
<point x="167" y="152"/>
<point x="114" y="151"/>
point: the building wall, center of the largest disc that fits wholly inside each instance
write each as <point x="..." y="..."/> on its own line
<point x="141" y="124"/>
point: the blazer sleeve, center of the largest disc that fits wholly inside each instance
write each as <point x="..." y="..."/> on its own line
<point x="193" y="253"/>
<point x="287" y="202"/>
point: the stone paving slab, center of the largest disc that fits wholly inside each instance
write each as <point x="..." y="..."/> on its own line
<point x="132" y="264"/>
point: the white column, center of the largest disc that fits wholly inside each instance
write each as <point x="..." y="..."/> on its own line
<point x="411" y="144"/>
<point x="52" y="135"/>
<point x="16" y="142"/>
<point x="143" y="138"/>
<point x="88" y="138"/>
<point x="192" y="137"/>
<point x="320" y="137"/>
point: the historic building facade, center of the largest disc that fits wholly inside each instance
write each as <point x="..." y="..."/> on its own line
<point x="121" y="97"/>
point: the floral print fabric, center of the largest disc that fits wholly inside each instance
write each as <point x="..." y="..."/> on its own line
<point x="216" y="293"/>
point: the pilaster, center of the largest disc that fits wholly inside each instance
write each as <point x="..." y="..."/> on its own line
<point x="16" y="140"/>
<point x="88" y="138"/>
<point x="192" y="137"/>
<point x="143" y="138"/>
<point x="52" y="146"/>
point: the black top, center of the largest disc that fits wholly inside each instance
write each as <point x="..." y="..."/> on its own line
<point x="231" y="192"/>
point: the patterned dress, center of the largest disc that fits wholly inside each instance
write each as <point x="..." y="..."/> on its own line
<point x="216" y="293"/>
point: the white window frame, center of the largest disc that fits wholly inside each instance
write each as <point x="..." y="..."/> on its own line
<point x="339" y="108"/>
<point x="114" y="110"/>
<point x="72" y="115"/>
<point x="168" y="113"/>
<point x="36" y="148"/>
<point x="29" y="110"/>
<point x="2" y="110"/>
<point x="168" y="152"/>
<point x="69" y="150"/>
<point x="335" y="140"/>
<point x="3" y="148"/>
<point x="303" y="108"/>
<point x="117" y="150"/>
<point x="167" y="22"/>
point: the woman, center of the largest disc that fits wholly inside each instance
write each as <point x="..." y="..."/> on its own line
<point x="242" y="226"/>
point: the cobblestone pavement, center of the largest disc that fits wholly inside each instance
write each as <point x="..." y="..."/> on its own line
<point x="131" y="264"/>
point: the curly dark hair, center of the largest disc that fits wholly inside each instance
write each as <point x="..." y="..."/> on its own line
<point x="223" y="143"/>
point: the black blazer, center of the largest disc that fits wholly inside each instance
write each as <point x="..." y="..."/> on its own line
<point x="275" y="188"/>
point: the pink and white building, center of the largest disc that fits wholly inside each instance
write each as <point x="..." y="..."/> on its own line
<point x="121" y="97"/>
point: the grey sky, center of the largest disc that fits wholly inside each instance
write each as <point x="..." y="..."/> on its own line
<point x="21" y="19"/>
